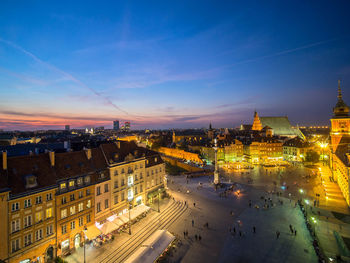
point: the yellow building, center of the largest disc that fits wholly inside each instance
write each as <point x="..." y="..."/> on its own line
<point x="75" y="203"/>
<point x="31" y="231"/>
<point x="265" y="151"/>
<point x="340" y="142"/>
<point x="181" y="154"/>
<point x="234" y="151"/>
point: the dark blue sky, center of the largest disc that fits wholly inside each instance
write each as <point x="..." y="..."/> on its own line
<point x="165" y="64"/>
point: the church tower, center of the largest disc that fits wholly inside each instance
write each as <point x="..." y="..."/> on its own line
<point x="257" y="126"/>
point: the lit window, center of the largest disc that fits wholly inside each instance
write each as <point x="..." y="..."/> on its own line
<point x="63" y="213"/>
<point x="62" y="186"/>
<point x="72" y="225"/>
<point x="88" y="204"/>
<point x="71" y="183"/>
<point x="72" y="210"/>
<point x="48" y="212"/>
<point x="38" y="217"/>
<point x="80" y="207"/>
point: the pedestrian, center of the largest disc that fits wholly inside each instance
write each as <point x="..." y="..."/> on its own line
<point x="187" y="233"/>
<point x="184" y="234"/>
<point x="295" y="232"/>
<point x="199" y="238"/>
<point x="196" y="237"/>
<point x="240" y="233"/>
<point x="234" y="230"/>
<point x="192" y="222"/>
<point x="254" y="230"/>
<point x="194" y="204"/>
<point x="291" y="229"/>
<point x="230" y="230"/>
<point x="277" y="234"/>
<point x="185" y="202"/>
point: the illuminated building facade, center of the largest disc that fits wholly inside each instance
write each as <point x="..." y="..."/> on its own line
<point x="340" y="142"/>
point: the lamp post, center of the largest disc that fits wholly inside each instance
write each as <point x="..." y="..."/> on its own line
<point x="130" y="205"/>
<point x="84" y="243"/>
<point x="158" y="200"/>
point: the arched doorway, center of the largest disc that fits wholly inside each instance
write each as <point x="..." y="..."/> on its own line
<point x="49" y="254"/>
<point x="77" y="239"/>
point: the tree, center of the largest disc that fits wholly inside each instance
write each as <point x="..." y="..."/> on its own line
<point x="312" y="156"/>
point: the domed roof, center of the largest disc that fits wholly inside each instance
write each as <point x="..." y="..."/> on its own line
<point x="341" y="109"/>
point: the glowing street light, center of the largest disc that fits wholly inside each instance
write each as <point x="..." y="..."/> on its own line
<point x="301" y="191"/>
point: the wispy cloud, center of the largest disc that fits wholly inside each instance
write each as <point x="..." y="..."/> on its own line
<point x="65" y="74"/>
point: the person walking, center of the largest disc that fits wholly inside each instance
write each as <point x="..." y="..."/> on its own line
<point x="234" y="230"/>
<point x="295" y="232"/>
<point x="291" y="229"/>
<point x="192" y="222"/>
<point x="199" y="238"/>
<point x="196" y="237"/>
<point x="254" y="229"/>
<point x="277" y="234"/>
<point x="240" y="233"/>
<point x="184" y="234"/>
<point x="194" y="204"/>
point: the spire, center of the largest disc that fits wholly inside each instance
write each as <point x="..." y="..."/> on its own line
<point x="210" y="128"/>
<point x="340" y="96"/>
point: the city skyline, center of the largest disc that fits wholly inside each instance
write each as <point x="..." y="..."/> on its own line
<point x="170" y="65"/>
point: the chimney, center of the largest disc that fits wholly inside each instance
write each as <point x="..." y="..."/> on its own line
<point x="88" y="153"/>
<point x="4" y="160"/>
<point x="52" y="158"/>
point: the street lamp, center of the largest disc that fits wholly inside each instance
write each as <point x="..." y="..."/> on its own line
<point x="323" y="146"/>
<point x="158" y="199"/>
<point x="85" y="229"/>
<point x="130" y="206"/>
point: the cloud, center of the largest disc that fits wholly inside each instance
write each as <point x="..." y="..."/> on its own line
<point x="70" y="77"/>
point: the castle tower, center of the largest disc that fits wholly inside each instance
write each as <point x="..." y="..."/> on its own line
<point x="257" y="126"/>
<point x="340" y="141"/>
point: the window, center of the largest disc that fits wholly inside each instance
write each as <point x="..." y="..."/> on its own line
<point x="141" y="165"/>
<point x="115" y="184"/>
<point x="48" y="213"/>
<point x="122" y="182"/>
<point x="15" y="245"/>
<point x="135" y="166"/>
<point x="15" y="206"/>
<point x="141" y="190"/>
<point x="152" y="172"/>
<point x="136" y="177"/>
<point x="135" y="190"/>
<point x="123" y="170"/>
<point x="98" y="190"/>
<point x="38" y="200"/>
<point x="38" y="217"/>
<point x="64" y="200"/>
<point x="63" y="213"/>
<point x="87" y="179"/>
<point x="71" y="184"/>
<point x="123" y="197"/>
<point x="141" y="175"/>
<point x="64" y="229"/>
<point x="38" y="234"/>
<point x="49" y="230"/>
<point x="160" y="169"/>
<point x="116" y="199"/>
<point x="72" y="197"/>
<point x="27" y="221"/>
<point x="80" y="181"/>
<point x="88" y="218"/>
<point x="106" y="204"/>
<point x="98" y="207"/>
<point x="106" y="188"/>
<point x="27" y="240"/>
<point x="27" y="203"/>
<point x="80" y="207"/>
<point x="115" y="172"/>
<point x="130" y="194"/>
<point x="63" y="186"/>
<point x="88" y="204"/>
<point x="72" y="225"/>
<point x="80" y="194"/>
<point x="81" y="221"/>
<point x="147" y="173"/>
<point x="72" y="210"/>
<point x="15" y="225"/>
<point x="88" y="192"/>
<point x="49" y="197"/>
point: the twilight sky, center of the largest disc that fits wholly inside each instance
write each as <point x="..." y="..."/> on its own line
<point x="170" y="64"/>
